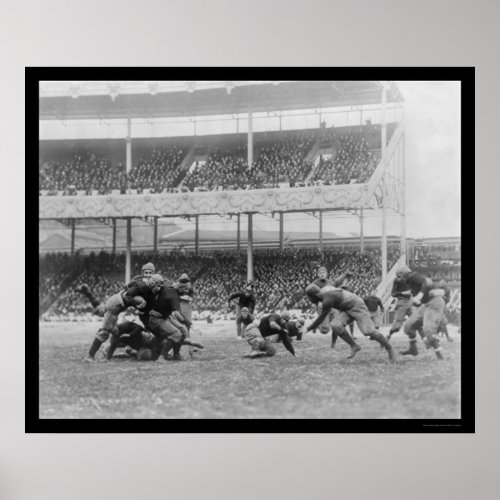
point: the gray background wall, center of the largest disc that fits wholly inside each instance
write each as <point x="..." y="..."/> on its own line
<point x="259" y="33"/>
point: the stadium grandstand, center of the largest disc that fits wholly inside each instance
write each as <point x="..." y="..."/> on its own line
<point x="148" y="171"/>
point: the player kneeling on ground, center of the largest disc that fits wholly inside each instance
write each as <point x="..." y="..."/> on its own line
<point x="351" y="307"/>
<point x="273" y="324"/>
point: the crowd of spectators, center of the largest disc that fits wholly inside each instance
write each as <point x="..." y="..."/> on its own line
<point x="351" y="160"/>
<point x="279" y="161"/>
<point x="101" y="272"/>
<point x="283" y="161"/>
<point x="54" y="269"/>
<point x="162" y="171"/>
<point x="280" y="278"/>
<point x="85" y="171"/>
<point x="225" y="169"/>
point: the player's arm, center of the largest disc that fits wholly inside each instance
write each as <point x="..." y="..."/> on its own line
<point x="394" y="292"/>
<point x="233" y="296"/>
<point x="252" y="304"/>
<point x="418" y="289"/>
<point x="136" y="288"/>
<point x="338" y="281"/>
<point x="325" y="311"/>
<point x="380" y="305"/>
<point x="283" y="334"/>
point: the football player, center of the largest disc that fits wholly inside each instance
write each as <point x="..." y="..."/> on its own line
<point x="428" y="299"/>
<point x="272" y="324"/>
<point x="350" y="307"/>
<point x="167" y="322"/>
<point x="246" y="298"/>
<point x="140" y="294"/>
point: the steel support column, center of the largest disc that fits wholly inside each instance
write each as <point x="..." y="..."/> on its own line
<point x="238" y="234"/>
<point x="114" y="235"/>
<point x="72" y="236"/>
<point x="128" y="160"/>
<point x="321" y="231"/>
<point x="361" y="232"/>
<point x="282" y="240"/>
<point x="403" y="199"/>
<point x="197" y="235"/>
<point x="384" y="181"/>
<point x="128" y="251"/>
<point x="155" y="234"/>
<point x="250" y="248"/>
<point x="250" y="139"/>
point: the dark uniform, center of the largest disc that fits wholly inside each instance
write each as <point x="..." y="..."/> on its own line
<point x="401" y="292"/>
<point x="256" y="335"/>
<point x="114" y="306"/>
<point x="324" y="328"/>
<point x="375" y="308"/>
<point x="427" y="316"/>
<point x="244" y="300"/>
<point x="133" y="335"/>
<point x="167" y="322"/>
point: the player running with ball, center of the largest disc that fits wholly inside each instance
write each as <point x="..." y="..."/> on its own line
<point x="350" y="307"/>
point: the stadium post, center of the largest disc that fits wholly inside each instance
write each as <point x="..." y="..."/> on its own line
<point x="238" y="235"/>
<point x="128" y="160"/>
<point x="250" y="139"/>
<point x="155" y="234"/>
<point x="321" y="231"/>
<point x="72" y="236"/>
<point x="384" y="181"/>
<point x="128" y="251"/>
<point x="282" y="241"/>
<point x="361" y="234"/>
<point x="114" y="235"/>
<point x="401" y="157"/>
<point x="197" y="235"/>
<point x="250" y="248"/>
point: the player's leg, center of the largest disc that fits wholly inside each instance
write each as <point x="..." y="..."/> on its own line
<point x="400" y="312"/>
<point x="114" y="341"/>
<point x="432" y="318"/>
<point x="254" y="339"/>
<point x="114" y="306"/>
<point x="376" y="318"/>
<point x="338" y="326"/>
<point x="239" y="321"/>
<point x="413" y="323"/>
<point x="85" y="291"/>
<point x="267" y="348"/>
<point x="351" y="329"/>
<point x="362" y="316"/>
<point x="443" y="327"/>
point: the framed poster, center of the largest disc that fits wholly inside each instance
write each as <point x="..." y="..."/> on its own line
<point x="285" y="253"/>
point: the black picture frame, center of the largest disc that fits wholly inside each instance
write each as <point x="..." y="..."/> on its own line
<point x="466" y="424"/>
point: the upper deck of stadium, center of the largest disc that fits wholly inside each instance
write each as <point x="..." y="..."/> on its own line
<point x="73" y="100"/>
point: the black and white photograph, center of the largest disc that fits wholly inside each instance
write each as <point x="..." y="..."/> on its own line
<point x="250" y="249"/>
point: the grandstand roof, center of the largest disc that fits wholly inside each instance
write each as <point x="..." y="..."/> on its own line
<point x="121" y="99"/>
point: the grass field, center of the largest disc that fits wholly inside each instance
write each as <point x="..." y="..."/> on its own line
<point x="218" y="383"/>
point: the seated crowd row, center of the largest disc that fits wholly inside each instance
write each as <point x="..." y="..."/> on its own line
<point x="340" y="157"/>
<point x="279" y="279"/>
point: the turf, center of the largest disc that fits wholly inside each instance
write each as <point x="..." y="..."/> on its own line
<point x="219" y="383"/>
